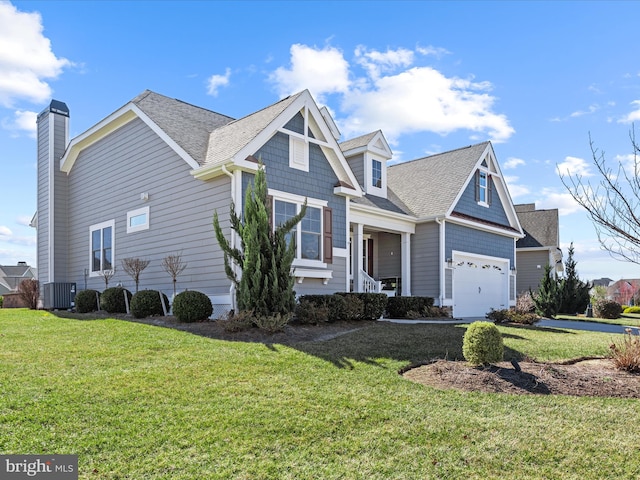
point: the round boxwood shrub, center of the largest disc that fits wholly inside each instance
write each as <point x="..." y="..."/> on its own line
<point x="192" y="306"/>
<point x="482" y="344"/>
<point x="146" y="303"/>
<point x="87" y="301"/>
<point x="112" y="300"/>
<point x="607" y="309"/>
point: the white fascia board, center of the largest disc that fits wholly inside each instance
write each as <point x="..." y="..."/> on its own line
<point x="110" y="124"/>
<point x="534" y="249"/>
<point x="212" y="171"/>
<point x="487" y="228"/>
<point x="346" y="192"/>
<point x="382" y="219"/>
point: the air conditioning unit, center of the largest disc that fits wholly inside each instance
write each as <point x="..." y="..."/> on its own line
<point x="59" y="296"/>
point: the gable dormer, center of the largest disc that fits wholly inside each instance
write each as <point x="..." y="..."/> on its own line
<point x="368" y="156"/>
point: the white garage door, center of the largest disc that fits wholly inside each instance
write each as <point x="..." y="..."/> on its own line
<point x="479" y="284"/>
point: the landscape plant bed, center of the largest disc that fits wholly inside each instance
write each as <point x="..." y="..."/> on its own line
<point x="595" y="377"/>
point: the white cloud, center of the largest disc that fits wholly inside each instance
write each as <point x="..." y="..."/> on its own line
<point x="5" y="232"/>
<point x="592" y="109"/>
<point x="24" y="220"/>
<point x="573" y="166"/>
<point x="23" y="121"/>
<point x="564" y="202"/>
<point x="6" y="235"/>
<point x="513" y="162"/>
<point x="384" y="90"/>
<point x="432" y="51"/>
<point x="632" y="116"/>
<point x="217" y="81"/>
<point x="322" y="71"/>
<point x="376" y="63"/>
<point x="515" y="189"/>
<point x="26" y="59"/>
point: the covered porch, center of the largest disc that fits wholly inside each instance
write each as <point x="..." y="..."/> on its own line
<point x="380" y="253"/>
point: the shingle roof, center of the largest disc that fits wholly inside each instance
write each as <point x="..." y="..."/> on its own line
<point x="392" y="203"/>
<point x="229" y="139"/>
<point x="428" y="186"/>
<point x="361" y="141"/>
<point x="189" y="126"/>
<point x="540" y="227"/>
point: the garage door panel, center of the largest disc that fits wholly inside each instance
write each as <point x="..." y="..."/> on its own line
<point x="479" y="285"/>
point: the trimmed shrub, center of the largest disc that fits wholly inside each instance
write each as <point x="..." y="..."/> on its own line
<point x="400" y="307"/>
<point x="482" y="344"/>
<point x="374" y="304"/>
<point x="634" y="309"/>
<point x="626" y="354"/>
<point x="1" y="300"/>
<point x="237" y="322"/>
<point x="525" y="303"/>
<point x="192" y="306"/>
<point x="272" y="323"/>
<point x="146" y="303"/>
<point x="512" y="316"/>
<point x="607" y="309"/>
<point x="311" y="312"/>
<point x="87" y="301"/>
<point x="112" y="300"/>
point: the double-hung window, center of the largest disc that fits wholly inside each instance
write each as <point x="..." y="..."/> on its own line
<point x="376" y="173"/>
<point x="483" y="188"/>
<point x="101" y="238"/>
<point x="312" y="235"/>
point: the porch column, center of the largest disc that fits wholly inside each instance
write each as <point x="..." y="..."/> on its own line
<point x="356" y="252"/>
<point x="406" y="264"/>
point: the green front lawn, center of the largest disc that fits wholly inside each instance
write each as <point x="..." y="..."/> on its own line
<point x="141" y="402"/>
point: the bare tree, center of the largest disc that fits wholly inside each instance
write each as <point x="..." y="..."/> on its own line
<point x="612" y="203"/>
<point x="134" y="267"/>
<point x="29" y="291"/>
<point x="106" y="276"/>
<point x="174" y="266"/>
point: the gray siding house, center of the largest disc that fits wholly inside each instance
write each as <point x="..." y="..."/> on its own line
<point x="539" y="247"/>
<point x="145" y="181"/>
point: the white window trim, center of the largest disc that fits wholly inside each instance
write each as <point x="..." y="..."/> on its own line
<point x="135" y="213"/>
<point x="102" y="226"/>
<point x="380" y="191"/>
<point x="311" y="202"/>
<point x="484" y="203"/>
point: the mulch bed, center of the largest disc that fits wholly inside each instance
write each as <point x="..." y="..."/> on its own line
<point x="592" y="377"/>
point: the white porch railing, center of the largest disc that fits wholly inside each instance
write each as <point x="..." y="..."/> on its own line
<point x="369" y="284"/>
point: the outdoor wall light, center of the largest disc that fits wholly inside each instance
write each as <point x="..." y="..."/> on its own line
<point x="450" y="262"/>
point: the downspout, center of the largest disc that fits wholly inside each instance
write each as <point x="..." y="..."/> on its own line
<point x="232" y="289"/>
<point x="440" y="222"/>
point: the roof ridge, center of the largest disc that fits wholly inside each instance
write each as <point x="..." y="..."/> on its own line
<point x="148" y="92"/>
<point x="440" y="153"/>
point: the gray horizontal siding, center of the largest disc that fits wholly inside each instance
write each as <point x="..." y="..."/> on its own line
<point x="357" y="167"/>
<point x="314" y="286"/>
<point x="43" y="201"/>
<point x="425" y="263"/>
<point x="106" y="182"/>
<point x="529" y="275"/>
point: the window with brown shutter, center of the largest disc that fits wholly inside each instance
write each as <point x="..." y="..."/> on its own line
<point x="327" y="237"/>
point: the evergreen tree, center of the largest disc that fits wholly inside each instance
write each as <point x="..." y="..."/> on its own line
<point x="575" y="292"/>
<point x="549" y="296"/>
<point x="265" y="256"/>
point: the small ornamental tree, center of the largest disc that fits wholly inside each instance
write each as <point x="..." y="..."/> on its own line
<point x="265" y="254"/>
<point x="549" y="296"/>
<point x="29" y="291"/>
<point x="575" y="292"/>
<point x="174" y="266"/>
<point x="134" y="267"/>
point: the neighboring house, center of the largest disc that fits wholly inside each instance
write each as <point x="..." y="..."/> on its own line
<point x="144" y="182"/>
<point x="539" y="247"/>
<point x="602" y="282"/>
<point x="12" y="275"/>
<point x="624" y="291"/>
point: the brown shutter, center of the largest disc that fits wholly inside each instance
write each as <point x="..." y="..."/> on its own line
<point x="327" y="237"/>
<point x="489" y="189"/>
<point x="477" y="185"/>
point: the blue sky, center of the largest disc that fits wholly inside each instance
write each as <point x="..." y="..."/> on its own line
<point x="536" y="78"/>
